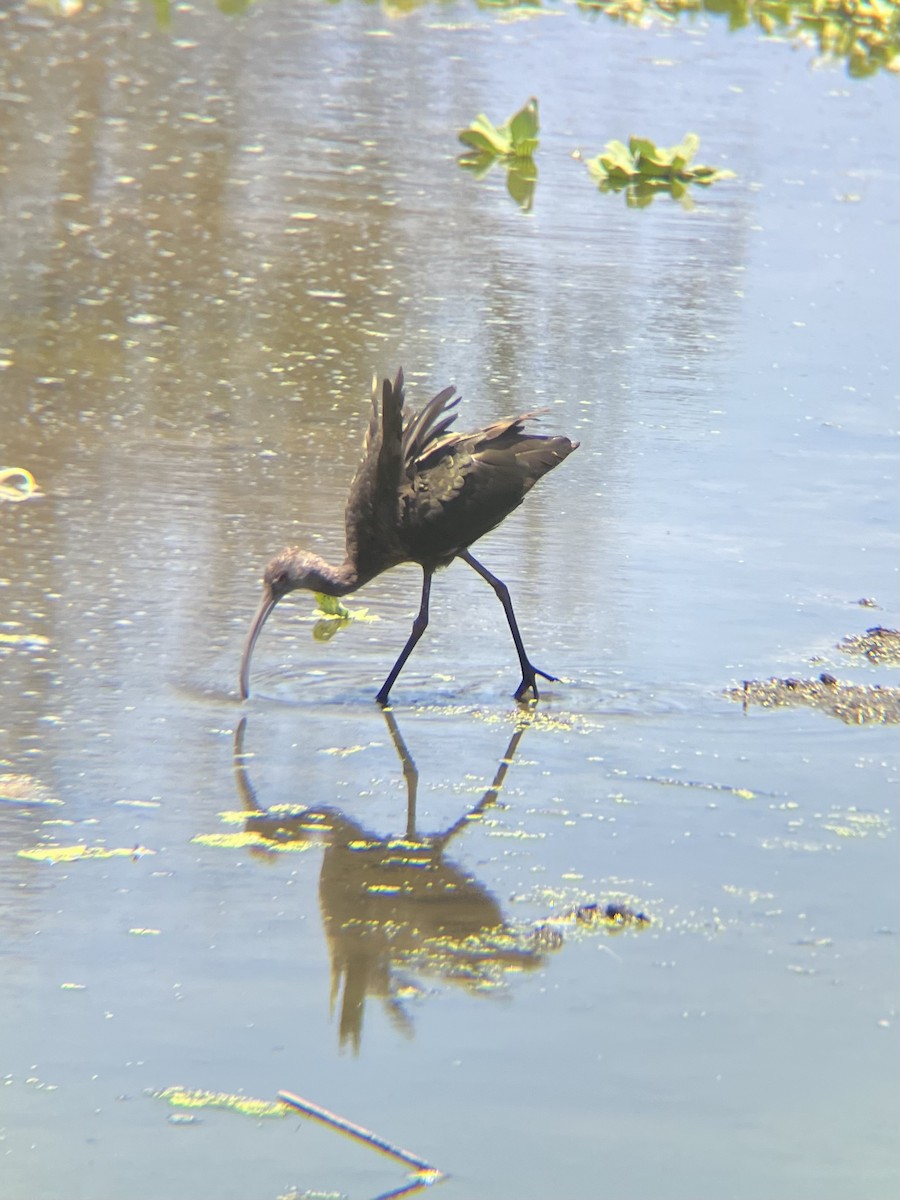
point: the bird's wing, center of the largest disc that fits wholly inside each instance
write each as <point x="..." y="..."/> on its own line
<point x="372" y="511"/>
<point x="466" y="484"/>
<point x="424" y="428"/>
<point x="389" y="451"/>
<point x="373" y="429"/>
<point x="379" y="467"/>
<point x="501" y="435"/>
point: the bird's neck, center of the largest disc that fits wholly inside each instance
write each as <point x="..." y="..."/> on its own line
<point x="330" y="580"/>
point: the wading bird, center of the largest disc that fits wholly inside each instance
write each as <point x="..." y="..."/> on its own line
<point x="421" y="495"/>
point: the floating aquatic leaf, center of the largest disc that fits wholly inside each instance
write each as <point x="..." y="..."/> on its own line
<point x="654" y="160"/>
<point x="485" y="138"/>
<point x="642" y="169"/>
<point x="57" y="854"/>
<point x="333" y="616"/>
<point x="331" y="606"/>
<point x="240" y="841"/>
<point x="615" y="160"/>
<point x="523" y="129"/>
<point x="515" y="138"/>
<point x="180" y="1097"/>
<point x="513" y="144"/>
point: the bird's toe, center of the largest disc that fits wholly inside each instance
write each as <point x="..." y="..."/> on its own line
<point x="529" y="682"/>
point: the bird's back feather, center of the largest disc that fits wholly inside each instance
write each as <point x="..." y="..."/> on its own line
<point x="463" y="485"/>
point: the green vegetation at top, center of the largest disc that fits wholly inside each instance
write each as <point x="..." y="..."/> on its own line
<point x="864" y="33"/>
<point x="164" y="9"/>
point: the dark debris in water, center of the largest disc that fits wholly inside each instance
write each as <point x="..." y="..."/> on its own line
<point x="614" y="913"/>
<point x="854" y="704"/>
<point x="613" y="916"/>
<point x="879" y="645"/>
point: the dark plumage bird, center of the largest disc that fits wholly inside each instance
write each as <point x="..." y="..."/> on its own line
<point x="421" y="494"/>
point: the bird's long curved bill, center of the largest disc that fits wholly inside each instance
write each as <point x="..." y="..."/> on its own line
<point x="266" y="605"/>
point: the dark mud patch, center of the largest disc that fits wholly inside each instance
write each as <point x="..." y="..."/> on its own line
<point x="878" y="645"/>
<point x="854" y="704"/>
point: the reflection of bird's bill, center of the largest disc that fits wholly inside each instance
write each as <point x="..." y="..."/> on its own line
<point x="266" y="605"/>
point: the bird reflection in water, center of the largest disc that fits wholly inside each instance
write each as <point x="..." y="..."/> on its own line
<point x="396" y="904"/>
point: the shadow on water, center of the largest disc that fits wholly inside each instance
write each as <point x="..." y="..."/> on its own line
<point x="396" y="903"/>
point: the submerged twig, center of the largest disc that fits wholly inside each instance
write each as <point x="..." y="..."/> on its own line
<point x="425" y="1173"/>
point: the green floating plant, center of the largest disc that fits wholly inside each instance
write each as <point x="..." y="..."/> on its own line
<point x="515" y="138"/>
<point x="331" y="606"/>
<point x="333" y="616"/>
<point x="645" y="169"/>
<point x="248" y="1106"/>
<point x="513" y="143"/>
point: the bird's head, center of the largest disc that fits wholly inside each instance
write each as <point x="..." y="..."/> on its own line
<point x="289" y="570"/>
<point x="292" y="569"/>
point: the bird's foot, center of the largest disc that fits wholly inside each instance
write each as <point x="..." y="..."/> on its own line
<point x="529" y="682"/>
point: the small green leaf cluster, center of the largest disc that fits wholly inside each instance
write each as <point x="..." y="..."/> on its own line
<point x="645" y="169"/>
<point x="331" y="606"/>
<point x="513" y="143"/>
<point x="642" y="168"/>
<point x="515" y="138"/>
<point x="333" y="615"/>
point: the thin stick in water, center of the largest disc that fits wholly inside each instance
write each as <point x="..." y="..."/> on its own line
<point x="362" y="1135"/>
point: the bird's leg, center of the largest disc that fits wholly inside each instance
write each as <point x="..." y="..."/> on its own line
<point x="529" y="671"/>
<point x="419" y="626"/>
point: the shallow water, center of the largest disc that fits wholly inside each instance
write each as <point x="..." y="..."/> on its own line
<point x="214" y="232"/>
